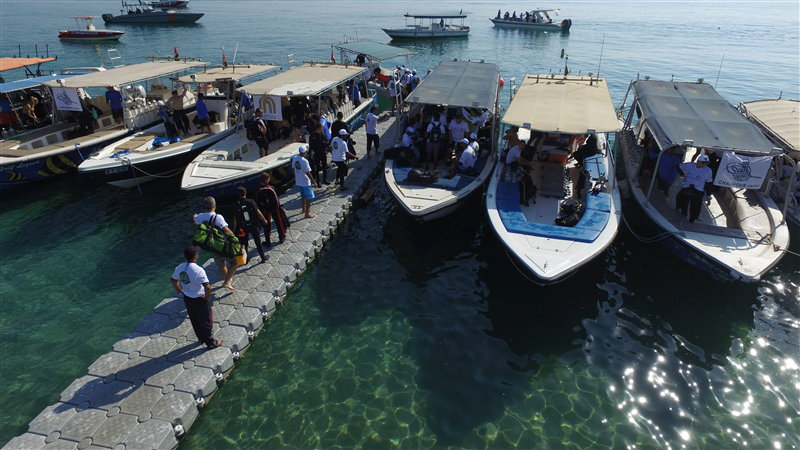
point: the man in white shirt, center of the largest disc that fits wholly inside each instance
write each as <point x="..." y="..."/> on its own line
<point x="458" y="129"/>
<point x="226" y="266"/>
<point x="694" y="186"/>
<point x="372" y="130"/>
<point x="303" y="180"/>
<point x="339" y="154"/>
<point x="393" y="91"/>
<point x="191" y="282"/>
<point x="466" y="162"/>
<point x="474" y="143"/>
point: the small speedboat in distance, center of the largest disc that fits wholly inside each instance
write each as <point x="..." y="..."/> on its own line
<point x="572" y="208"/>
<point x="451" y="87"/>
<point x="740" y="233"/>
<point x="143" y="14"/>
<point x="87" y="32"/>
<point x="536" y="19"/>
<point x="430" y="26"/>
<point x="779" y="120"/>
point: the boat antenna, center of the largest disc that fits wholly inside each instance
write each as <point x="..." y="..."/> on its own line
<point x="602" y="45"/>
<point x="720" y="70"/>
<point x="236" y="50"/>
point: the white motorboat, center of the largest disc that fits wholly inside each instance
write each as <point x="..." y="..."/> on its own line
<point x="59" y="147"/>
<point x="158" y="151"/>
<point x="740" y="233"/>
<point x="536" y="19"/>
<point x="235" y="160"/>
<point x="540" y="236"/>
<point x="452" y="85"/>
<point x="779" y="120"/>
<point x="87" y="32"/>
<point x="430" y="26"/>
<point x="370" y="54"/>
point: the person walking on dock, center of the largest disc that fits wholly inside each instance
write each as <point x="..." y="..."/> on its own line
<point x="339" y="155"/>
<point x="371" y="122"/>
<point x="270" y="206"/>
<point x="303" y="180"/>
<point x="226" y="266"/>
<point x="248" y="221"/>
<point x="190" y="280"/>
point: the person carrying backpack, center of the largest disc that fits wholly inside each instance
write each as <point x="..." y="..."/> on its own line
<point x="434" y="134"/>
<point x="270" y="206"/>
<point x="246" y="221"/>
<point x="260" y="133"/>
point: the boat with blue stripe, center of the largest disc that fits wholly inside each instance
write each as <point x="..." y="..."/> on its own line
<point x="567" y="211"/>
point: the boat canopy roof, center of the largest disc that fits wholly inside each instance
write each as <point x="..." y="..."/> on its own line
<point x="436" y="16"/>
<point x="211" y="74"/>
<point x="19" y="85"/>
<point x="781" y="116"/>
<point x="127" y="74"/>
<point x="7" y="63"/>
<point x="459" y="83"/>
<point x="563" y="104"/>
<point x="375" y="50"/>
<point x="304" y="80"/>
<point x="679" y="111"/>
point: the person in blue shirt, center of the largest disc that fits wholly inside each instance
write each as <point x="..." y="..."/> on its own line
<point x="668" y="169"/>
<point x="202" y="114"/>
<point x="354" y="93"/>
<point x="326" y="128"/>
<point x="114" y="99"/>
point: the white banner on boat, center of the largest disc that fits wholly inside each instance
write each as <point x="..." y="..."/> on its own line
<point x="67" y="99"/>
<point x="744" y="172"/>
<point x="270" y="106"/>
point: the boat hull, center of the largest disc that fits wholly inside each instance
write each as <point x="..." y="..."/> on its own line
<point x="89" y="36"/>
<point x="14" y="174"/>
<point x="154" y="17"/>
<point x="564" y="25"/>
<point x="399" y="33"/>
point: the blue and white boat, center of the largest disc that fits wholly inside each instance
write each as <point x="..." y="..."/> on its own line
<point x="59" y="147"/>
<point x="740" y="233"/>
<point x="560" y="111"/>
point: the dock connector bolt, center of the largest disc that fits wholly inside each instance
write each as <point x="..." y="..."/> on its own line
<point x="200" y="402"/>
<point x="179" y="430"/>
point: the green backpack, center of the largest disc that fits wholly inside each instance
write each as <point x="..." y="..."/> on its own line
<point x="210" y="237"/>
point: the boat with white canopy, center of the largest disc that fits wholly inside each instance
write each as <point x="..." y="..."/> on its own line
<point x="430" y="26"/>
<point x="570" y="212"/>
<point x="158" y="151"/>
<point x="87" y="32"/>
<point x="235" y="160"/>
<point x="370" y="54"/>
<point x="535" y="19"/>
<point x="457" y="88"/>
<point x="779" y="120"/>
<point x="740" y="233"/>
<point x="75" y="132"/>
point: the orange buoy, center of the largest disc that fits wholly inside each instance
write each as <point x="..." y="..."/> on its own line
<point x="502" y="82"/>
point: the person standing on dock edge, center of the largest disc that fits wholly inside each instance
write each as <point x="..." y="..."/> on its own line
<point x="190" y="280"/>
<point x="372" y="130"/>
<point x="226" y="266"/>
<point x="248" y="221"/>
<point x="339" y="154"/>
<point x="303" y="180"/>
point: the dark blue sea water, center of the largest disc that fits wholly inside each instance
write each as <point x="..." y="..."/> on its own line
<point x="404" y="335"/>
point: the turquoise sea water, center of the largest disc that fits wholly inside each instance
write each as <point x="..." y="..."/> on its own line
<point x="421" y="336"/>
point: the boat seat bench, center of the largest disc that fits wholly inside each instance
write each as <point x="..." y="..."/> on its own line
<point x="592" y="223"/>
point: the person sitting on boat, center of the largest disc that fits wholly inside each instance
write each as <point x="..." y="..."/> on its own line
<point x="29" y="118"/>
<point x="697" y="176"/>
<point x="473" y="142"/>
<point x="505" y="16"/>
<point x="382" y="79"/>
<point x="516" y="169"/>
<point x="458" y="128"/>
<point x="466" y="160"/>
<point x="589" y="148"/>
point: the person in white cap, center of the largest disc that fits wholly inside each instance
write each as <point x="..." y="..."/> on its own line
<point x="393" y="91"/>
<point x="408" y="137"/>
<point x="697" y="176"/>
<point x="303" y="180"/>
<point x="339" y="154"/>
<point x="466" y="161"/>
<point x="474" y="144"/>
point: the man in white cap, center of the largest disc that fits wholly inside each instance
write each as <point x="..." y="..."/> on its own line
<point x="473" y="137"/>
<point x="697" y="175"/>
<point x="408" y="137"/>
<point x="339" y="154"/>
<point x="303" y="180"/>
<point x="466" y="161"/>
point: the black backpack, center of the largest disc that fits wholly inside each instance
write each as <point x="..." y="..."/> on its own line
<point x="252" y="129"/>
<point x="265" y="198"/>
<point x="436" y="133"/>
<point x="246" y="214"/>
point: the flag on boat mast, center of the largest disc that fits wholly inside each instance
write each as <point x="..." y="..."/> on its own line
<point x="174" y="47"/>
<point x="566" y="69"/>
<point x="224" y="59"/>
<point x="333" y="58"/>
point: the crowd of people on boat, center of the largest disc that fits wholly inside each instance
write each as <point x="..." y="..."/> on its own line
<point x="529" y="17"/>
<point x="399" y="83"/>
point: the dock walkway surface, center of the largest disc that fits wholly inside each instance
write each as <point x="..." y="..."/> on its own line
<point x="149" y="389"/>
